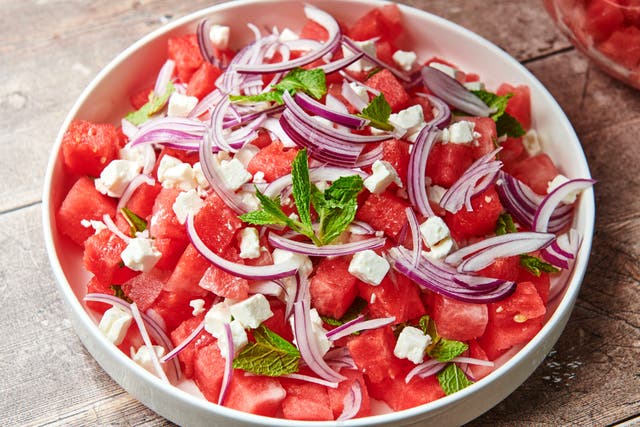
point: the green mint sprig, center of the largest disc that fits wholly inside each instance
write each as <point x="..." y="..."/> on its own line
<point x="155" y="104"/>
<point x="136" y="223"/>
<point x="506" y="124"/>
<point x="378" y="112"/>
<point x="453" y="379"/>
<point x="312" y="82"/>
<point x="536" y="266"/>
<point x="269" y="355"/>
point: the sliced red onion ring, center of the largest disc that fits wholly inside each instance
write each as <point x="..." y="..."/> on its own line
<point x="147" y="341"/>
<point x="128" y="129"/>
<point x="340" y="64"/>
<point x="414" y="226"/>
<point x="352" y="46"/>
<point x="169" y="130"/>
<point x="322" y="18"/>
<point x="453" y="93"/>
<point x="164" y="77"/>
<point x="251" y="272"/>
<point x="357" y="325"/>
<point x="417" y="172"/>
<point x="310" y="379"/>
<point x="352" y="402"/>
<point x="361" y="228"/>
<point x="112" y="227"/>
<point x="149" y="159"/>
<point x="443" y="117"/>
<point x="267" y="287"/>
<point x="206" y="104"/>
<point x="319" y="109"/>
<point x="204" y="44"/>
<point x="425" y="369"/>
<point x="563" y="249"/>
<point x="173" y="353"/>
<point x="553" y="199"/>
<point x="326" y="250"/>
<point x="228" y="364"/>
<point x="132" y="187"/>
<point x="340" y="357"/>
<point x="307" y="344"/>
<point x="351" y="96"/>
<point x="275" y="129"/>
<point x="487" y="256"/>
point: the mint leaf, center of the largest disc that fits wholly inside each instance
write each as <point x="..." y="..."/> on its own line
<point x="536" y="266"/>
<point x="313" y="82"/>
<point x="261" y="217"/>
<point x="444" y="350"/>
<point x="505" y="224"/>
<point x="510" y="126"/>
<point x="262" y="97"/>
<point x="378" y="112"/>
<point x="338" y="209"/>
<point x="119" y="293"/>
<point x="506" y="124"/>
<point x="155" y="104"/>
<point x="356" y="308"/>
<point x="452" y="379"/>
<point x="270" y="355"/>
<point x="302" y="187"/>
<point x="136" y="223"/>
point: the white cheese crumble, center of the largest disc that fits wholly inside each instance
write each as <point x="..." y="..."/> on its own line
<point x="411" y="344"/>
<point x="369" y="267"/>
<point x="462" y="132"/>
<point x="557" y="182"/>
<point x="531" y="143"/>
<point x="173" y="173"/>
<point x="140" y="254"/>
<point x="98" y="226"/>
<point x="233" y="174"/>
<point x="219" y="36"/>
<point x="450" y="71"/>
<point x="249" y="243"/>
<point x="197" y="305"/>
<point x="404" y="59"/>
<point x="252" y="311"/>
<point x="114" y="324"/>
<point x="281" y="256"/>
<point x="181" y="105"/>
<point x="433" y="231"/>
<point x="144" y="358"/>
<point x="187" y="202"/>
<point x="368" y="46"/>
<point x="383" y="175"/>
<point x="115" y="178"/>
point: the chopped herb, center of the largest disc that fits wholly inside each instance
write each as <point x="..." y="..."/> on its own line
<point x="510" y="126"/>
<point x="118" y="292"/>
<point x="536" y="266"/>
<point x="312" y="82"/>
<point x="270" y="355"/>
<point x="506" y="124"/>
<point x="453" y="379"/>
<point x="155" y="104"/>
<point x="136" y="223"/>
<point x="441" y="349"/>
<point x="373" y="72"/>
<point x="378" y="112"/>
<point x="356" y="308"/>
<point x="505" y="224"/>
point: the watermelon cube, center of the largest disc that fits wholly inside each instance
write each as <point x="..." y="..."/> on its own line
<point x="391" y="88"/>
<point x="102" y="256"/>
<point x="225" y="284"/>
<point x="447" y="163"/>
<point x="384" y="22"/>
<point x="216" y="224"/>
<point x="457" y="320"/>
<point x="400" y="395"/>
<point x="82" y="201"/>
<point x="398" y="297"/>
<point x="373" y="353"/>
<point x="145" y="288"/>
<point x="486" y="127"/>
<point x="95" y="286"/>
<point x="306" y="401"/>
<point x="396" y="152"/>
<point x="171" y="250"/>
<point x="314" y="31"/>
<point x="274" y="161"/>
<point x="507" y="268"/>
<point x="255" y="394"/>
<point x="337" y="395"/>
<point x="477" y="352"/>
<point x="603" y="17"/>
<point x="188" y="272"/>
<point x="173" y="307"/>
<point x="519" y="106"/>
<point x="141" y="203"/>
<point x="208" y="369"/>
<point x="187" y="355"/>
<point x="333" y="288"/>
<point x="384" y="212"/>
<point x="203" y="81"/>
<point x="88" y="147"/>
<point x="163" y="222"/>
<point x="482" y="220"/>
<point x="536" y="172"/>
<point x="185" y="52"/>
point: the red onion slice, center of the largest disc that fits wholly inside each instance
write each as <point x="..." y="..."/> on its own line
<point x="228" y="364"/>
<point x="353" y="47"/>
<point x="414" y="226"/>
<point x="310" y="379"/>
<point x="553" y="199"/>
<point x="173" y="353"/>
<point x="164" y="77"/>
<point x="319" y="109"/>
<point x="321" y="17"/>
<point x="454" y="93"/>
<point x="326" y="250"/>
<point x="132" y="187"/>
<point x="352" y="402"/>
<point x="533" y="238"/>
<point x="251" y="272"/>
<point x="112" y="227"/>
<point x="428" y="368"/>
<point x="147" y="342"/>
<point x="351" y="96"/>
<point x="417" y="172"/>
<point x="357" y="325"/>
<point x="204" y="44"/>
<point x="338" y="65"/>
<point x="443" y="116"/>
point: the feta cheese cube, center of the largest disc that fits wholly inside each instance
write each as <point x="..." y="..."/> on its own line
<point x="404" y="59"/>
<point x="249" y="243"/>
<point x="531" y="142"/>
<point x="433" y="231"/>
<point x="258" y="177"/>
<point x="450" y="71"/>
<point x="140" y="254"/>
<point x="238" y="337"/>
<point x="216" y="317"/>
<point x="172" y="173"/>
<point x="461" y="132"/>
<point x="249" y="198"/>
<point x="200" y="179"/>
<point x="144" y="358"/>
<point x="114" y="324"/>
<point x="246" y="153"/>
<point x="435" y="193"/>
<point x="252" y="311"/>
<point x="281" y="256"/>
<point x="411" y="344"/>
<point x="181" y="105"/>
<point x="557" y="182"/>
<point x="361" y="91"/>
<point x="133" y="154"/>
<point x="187" y="202"/>
<point x="478" y="85"/>
<point x="411" y="119"/>
<point x="197" y="305"/>
<point x="383" y="175"/>
<point x="98" y="226"/>
<point x="368" y="46"/>
<point x="441" y="250"/>
<point x="219" y="36"/>
<point x="369" y="267"/>
<point x="287" y="35"/>
<point x="233" y="174"/>
<point x="319" y="333"/>
<point x="115" y="178"/>
<point x="444" y="136"/>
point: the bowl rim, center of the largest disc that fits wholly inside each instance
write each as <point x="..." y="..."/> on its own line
<point x="80" y="316"/>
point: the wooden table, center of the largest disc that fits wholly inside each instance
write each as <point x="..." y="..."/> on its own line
<point x="49" y="51"/>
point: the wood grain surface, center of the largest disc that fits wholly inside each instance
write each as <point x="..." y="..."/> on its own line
<point x="51" y="49"/>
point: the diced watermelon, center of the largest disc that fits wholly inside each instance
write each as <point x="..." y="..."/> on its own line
<point x="396" y="152"/>
<point x="623" y="47"/>
<point x="536" y="172"/>
<point x="458" y="320"/>
<point x="163" y="222"/>
<point x="255" y="394"/>
<point x="96" y="286"/>
<point x="185" y="52"/>
<point x="203" y="81"/>
<point x="385" y="51"/>
<point x="208" y="369"/>
<point x="384" y="212"/>
<point x="519" y="106"/>
<point x="480" y="221"/>
<point x="447" y="163"/>
<point x="225" y="284"/>
<point x="391" y="88"/>
<point x="477" y="352"/>
<point x="145" y="288"/>
<point x="602" y="18"/>
<point x="333" y="288"/>
<point x="277" y="322"/>
<point x="373" y="353"/>
<point x="306" y="401"/>
<point x="513" y="320"/>
<point x="512" y="153"/>
<point x="138" y="99"/>
<point x="187" y="354"/>
<point x="337" y="395"/>
<point x="384" y="22"/>
<point x="399" y="298"/>
<point x="216" y="223"/>
<point x="486" y="127"/>
<point x="82" y="201"/>
<point x="88" y="147"/>
<point x="274" y="161"/>
<point x="542" y="282"/>
<point x="427" y="108"/>
<point x="173" y="307"/>
<point x="141" y="203"/>
<point x="188" y="272"/>
<point x="263" y="139"/>
<point x="400" y="395"/>
<point x="102" y="255"/>
<point x="171" y="250"/>
<point x="314" y="31"/>
<point x="507" y="268"/>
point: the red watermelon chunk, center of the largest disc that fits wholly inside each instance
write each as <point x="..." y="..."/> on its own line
<point x="216" y="223"/>
<point x="83" y="201"/>
<point x="187" y="354"/>
<point x="384" y="22"/>
<point x="255" y="394"/>
<point x="145" y="288"/>
<point x="513" y="320"/>
<point x="536" y="172"/>
<point x="277" y="322"/>
<point x="384" y="212"/>
<point x="102" y="255"/>
<point x="519" y="106"/>
<point x="188" y="272"/>
<point x="447" y="163"/>
<point x="173" y="307"/>
<point x="486" y="127"/>
<point x="314" y="31"/>
<point x="208" y="369"/>
<point x="203" y="81"/>
<point x="95" y="286"/>
<point x="163" y="222"/>
<point x="337" y="395"/>
<point x="480" y="221"/>
<point x="333" y="288"/>
<point x="306" y="401"/>
<point x="512" y="153"/>
<point x="171" y="250"/>
<point x="274" y="161"/>
<point x="457" y="320"/>
<point x="138" y="99"/>
<point x="141" y="203"/>
<point x="88" y="147"/>
<point x="391" y="88"/>
<point x="623" y="47"/>
<point x="185" y="52"/>
<point x="477" y="352"/>
<point x="396" y="152"/>
<point x="503" y="268"/>
<point x="373" y="353"/>
<point x="602" y="18"/>
<point x="400" y="395"/>
<point x="225" y="284"/>
<point x="542" y="282"/>
<point x="399" y="298"/>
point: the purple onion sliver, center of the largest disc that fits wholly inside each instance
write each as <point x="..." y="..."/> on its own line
<point x="310" y="379"/>
<point x="228" y="364"/>
<point x="326" y="250"/>
<point x="173" y="353"/>
<point x="357" y="326"/>
<point x="454" y="93"/>
<point x="147" y="341"/>
<point x="352" y="402"/>
<point x="132" y="187"/>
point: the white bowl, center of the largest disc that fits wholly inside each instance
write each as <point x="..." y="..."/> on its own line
<point x="105" y="100"/>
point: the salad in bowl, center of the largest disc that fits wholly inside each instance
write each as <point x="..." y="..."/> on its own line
<point x="320" y="218"/>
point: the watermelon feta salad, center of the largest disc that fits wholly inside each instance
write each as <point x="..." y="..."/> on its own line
<point x="318" y="220"/>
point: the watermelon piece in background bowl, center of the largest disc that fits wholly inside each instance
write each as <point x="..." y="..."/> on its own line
<point x="106" y="100"/>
